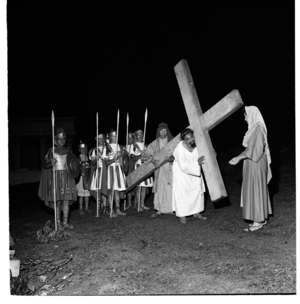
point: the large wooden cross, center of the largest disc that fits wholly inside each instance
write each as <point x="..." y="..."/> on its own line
<point x="201" y="124"/>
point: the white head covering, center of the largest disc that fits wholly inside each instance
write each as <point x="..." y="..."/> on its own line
<point x="254" y="119"/>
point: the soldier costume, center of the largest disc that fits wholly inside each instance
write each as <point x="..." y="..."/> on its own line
<point x="65" y="186"/>
<point x="99" y="174"/>
<point x="83" y="185"/>
<point x="130" y="194"/>
<point x="138" y="156"/>
<point x="115" y="174"/>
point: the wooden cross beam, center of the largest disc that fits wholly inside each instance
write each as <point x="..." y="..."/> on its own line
<point x="220" y="111"/>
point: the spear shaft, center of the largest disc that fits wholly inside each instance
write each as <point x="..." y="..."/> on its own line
<point x="127" y="125"/>
<point x="145" y="124"/>
<point x="54" y="190"/>
<point x="146" y="117"/>
<point x="116" y="154"/>
<point x="97" y="164"/>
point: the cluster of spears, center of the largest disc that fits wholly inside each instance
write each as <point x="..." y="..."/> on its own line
<point x="123" y="154"/>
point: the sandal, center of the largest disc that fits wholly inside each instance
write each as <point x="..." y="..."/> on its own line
<point x="120" y="213"/>
<point x="88" y="210"/>
<point x="157" y="214"/>
<point x="264" y="223"/>
<point x="59" y="226"/>
<point x="199" y="216"/>
<point x="254" y="228"/>
<point x="67" y="226"/>
<point x="182" y="220"/>
<point x="81" y="212"/>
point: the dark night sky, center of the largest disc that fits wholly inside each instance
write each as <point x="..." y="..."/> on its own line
<point x="83" y="59"/>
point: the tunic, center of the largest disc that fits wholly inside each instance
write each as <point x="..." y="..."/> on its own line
<point x="149" y="181"/>
<point x="84" y="169"/>
<point x="65" y="185"/>
<point x="162" y="185"/>
<point x="131" y="163"/>
<point x="98" y="173"/>
<point x="188" y="186"/>
<point x="255" y="198"/>
<point x="115" y="174"/>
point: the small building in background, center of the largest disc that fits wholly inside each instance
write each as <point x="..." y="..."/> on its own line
<point x="29" y="141"/>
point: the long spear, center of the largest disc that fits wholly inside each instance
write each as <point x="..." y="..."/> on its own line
<point x="97" y="172"/>
<point x="54" y="190"/>
<point x="127" y="124"/>
<point x="145" y="124"/>
<point x="146" y="117"/>
<point x="116" y="154"/>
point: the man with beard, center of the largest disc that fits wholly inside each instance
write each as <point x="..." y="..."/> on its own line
<point x="188" y="186"/>
<point x="162" y="186"/>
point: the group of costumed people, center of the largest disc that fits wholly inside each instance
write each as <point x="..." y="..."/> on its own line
<point x="177" y="185"/>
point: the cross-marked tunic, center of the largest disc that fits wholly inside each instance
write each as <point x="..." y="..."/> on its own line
<point x="97" y="175"/>
<point x="115" y="173"/>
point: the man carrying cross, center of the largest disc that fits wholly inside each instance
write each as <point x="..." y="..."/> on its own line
<point x="188" y="186"/>
<point x="201" y="123"/>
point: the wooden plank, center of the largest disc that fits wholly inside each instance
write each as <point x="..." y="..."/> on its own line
<point x="225" y="107"/>
<point x="210" y="167"/>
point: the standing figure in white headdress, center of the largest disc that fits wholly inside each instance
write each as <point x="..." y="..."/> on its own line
<point x="257" y="173"/>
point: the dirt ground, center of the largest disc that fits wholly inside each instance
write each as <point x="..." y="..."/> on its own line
<point x="140" y="255"/>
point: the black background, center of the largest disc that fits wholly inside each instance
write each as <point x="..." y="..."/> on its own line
<point x="81" y="59"/>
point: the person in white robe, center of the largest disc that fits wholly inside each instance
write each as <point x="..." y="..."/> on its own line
<point x="188" y="186"/>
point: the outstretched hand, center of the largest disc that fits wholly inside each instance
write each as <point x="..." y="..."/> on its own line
<point x="234" y="161"/>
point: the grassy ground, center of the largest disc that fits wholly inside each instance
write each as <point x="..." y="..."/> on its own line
<point x="140" y="255"/>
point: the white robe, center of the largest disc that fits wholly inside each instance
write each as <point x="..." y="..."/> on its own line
<point x="188" y="186"/>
